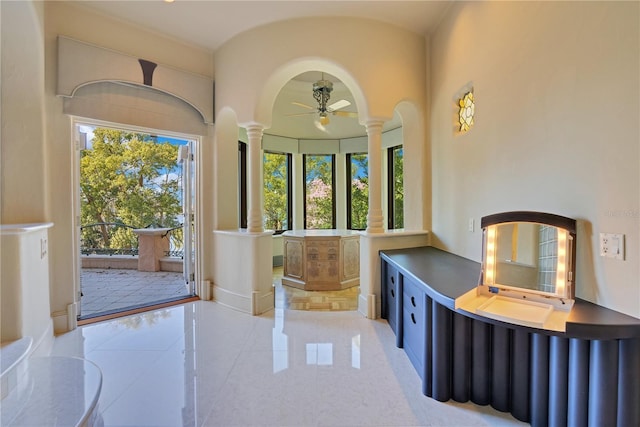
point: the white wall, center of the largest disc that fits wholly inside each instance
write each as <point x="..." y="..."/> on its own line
<point x="24" y="263"/>
<point x="556" y="86"/>
<point x="22" y="195"/>
<point x="381" y="62"/>
<point x="24" y="286"/>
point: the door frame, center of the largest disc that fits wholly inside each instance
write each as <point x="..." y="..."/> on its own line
<point x="77" y="145"/>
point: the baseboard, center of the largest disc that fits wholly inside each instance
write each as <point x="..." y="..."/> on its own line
<point x="232" y="300"/>
<point x="263" y="303"/>
<point x="255" y="304"/>
<point x="368" y="306"/>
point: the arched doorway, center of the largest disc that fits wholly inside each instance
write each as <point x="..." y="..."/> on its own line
<point x="331" y="152"/>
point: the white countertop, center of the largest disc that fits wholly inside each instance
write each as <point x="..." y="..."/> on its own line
<point x="6" y="229"/>
<point x="321" y="233"/>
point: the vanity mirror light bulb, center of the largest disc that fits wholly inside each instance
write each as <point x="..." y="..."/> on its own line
<point x="561" y="267"/>
<point x="488" y="278"/>
<point x="491" y="244"/>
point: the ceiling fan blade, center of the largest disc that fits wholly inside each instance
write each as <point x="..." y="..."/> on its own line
<point x="300" y="104"/>
<point x="338" y="105"/>
<point x="345" y="113"/>
<point x="300" y="114"/>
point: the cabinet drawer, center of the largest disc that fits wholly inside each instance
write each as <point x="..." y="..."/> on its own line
<point x="413" y="323"/>
<point x="392" y="300"/>
<point x="413" y="296"/>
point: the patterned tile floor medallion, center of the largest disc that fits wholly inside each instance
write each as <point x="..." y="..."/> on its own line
<point x="298" y="299"/>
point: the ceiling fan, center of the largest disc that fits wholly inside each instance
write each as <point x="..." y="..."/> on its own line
<point x="322" y="93"/>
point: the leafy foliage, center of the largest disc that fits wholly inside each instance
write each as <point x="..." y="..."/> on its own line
<point x="275" y="191"/>
<point x="359" y="191"/>
<point x="398" y="188"/>
<point x="319" y="191"/>
<point x="126" y="179"/>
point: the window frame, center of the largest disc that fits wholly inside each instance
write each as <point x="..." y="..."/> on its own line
<point x="289" y="160"/>
<point x="348" y="192"/>
<point x="242" y="184"/>
<point x="333" y="188"/>
<point x="391" y="225"/>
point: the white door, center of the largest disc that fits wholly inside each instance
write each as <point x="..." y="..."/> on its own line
<point x="186" y="161"/>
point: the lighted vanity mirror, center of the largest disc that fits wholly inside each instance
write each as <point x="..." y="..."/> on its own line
<point x="527" y="276"/>
<point x="530" y="252"/>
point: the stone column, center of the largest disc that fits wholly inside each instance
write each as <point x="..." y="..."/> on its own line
<point x="151" y="247"/>
<point x="374" y="217"/>
<point x="254" y="179"/>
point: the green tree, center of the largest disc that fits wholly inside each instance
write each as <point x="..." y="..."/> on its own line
<point x="359" y="190"/>
<point x="398" y="188"/>
<point x="126" y="179"/>
<point x="275" y="170"/>
<point x="319" y="191"/>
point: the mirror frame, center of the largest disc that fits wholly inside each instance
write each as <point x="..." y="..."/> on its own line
<point x="561" y="222"/>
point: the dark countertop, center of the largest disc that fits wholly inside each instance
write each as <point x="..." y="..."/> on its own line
<point x="447" y="276"/>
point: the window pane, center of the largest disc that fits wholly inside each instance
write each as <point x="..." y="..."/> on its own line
<point x="242" y="183"/>
<point x="275" y="191"/>
<point x="398" y="188"/>
<point x="318" y="191"/>
<point x="359" y="188"/>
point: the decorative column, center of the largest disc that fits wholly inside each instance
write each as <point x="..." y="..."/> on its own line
<point x="374" y="217"/>
<point x="254" y="179"/>
<point x="152" y="245"/>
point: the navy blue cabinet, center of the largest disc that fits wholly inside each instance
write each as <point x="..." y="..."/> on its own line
<point x="413" y="323"/>
<point x="392" y="295"/>
<point x="586" y="376"/>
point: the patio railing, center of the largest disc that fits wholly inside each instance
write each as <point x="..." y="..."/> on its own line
<point x="109" y="251"/>
<point x="97" y="245"/>
<point x="175" y="241"/>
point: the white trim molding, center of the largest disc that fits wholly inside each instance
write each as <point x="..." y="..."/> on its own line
<point x="81" y="64"/>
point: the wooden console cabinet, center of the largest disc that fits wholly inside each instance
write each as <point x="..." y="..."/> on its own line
<point x="321" y="260"/>
<point x="585" y="376"/>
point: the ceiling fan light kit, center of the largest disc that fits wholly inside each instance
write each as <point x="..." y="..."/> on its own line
<point x="322" y="93"/>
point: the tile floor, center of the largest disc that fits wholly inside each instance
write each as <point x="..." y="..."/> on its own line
<point x="110" y="290"/>
<point x="203" y="364"/>
<point x="298" y="299"/>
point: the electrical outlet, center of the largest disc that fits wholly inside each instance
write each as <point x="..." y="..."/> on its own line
<point x="471" y="225"/>
<point x="612" y="245"/>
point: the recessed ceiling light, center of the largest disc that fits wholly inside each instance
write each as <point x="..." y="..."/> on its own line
<point x="169" y="1"/>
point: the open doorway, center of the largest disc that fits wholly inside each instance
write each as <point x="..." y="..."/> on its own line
<point x="136" y="220"/>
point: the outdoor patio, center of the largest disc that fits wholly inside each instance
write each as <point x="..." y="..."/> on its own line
<point x="105" y="291"/>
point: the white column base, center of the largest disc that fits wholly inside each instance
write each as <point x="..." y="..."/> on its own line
<point x="243" y="271"/>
